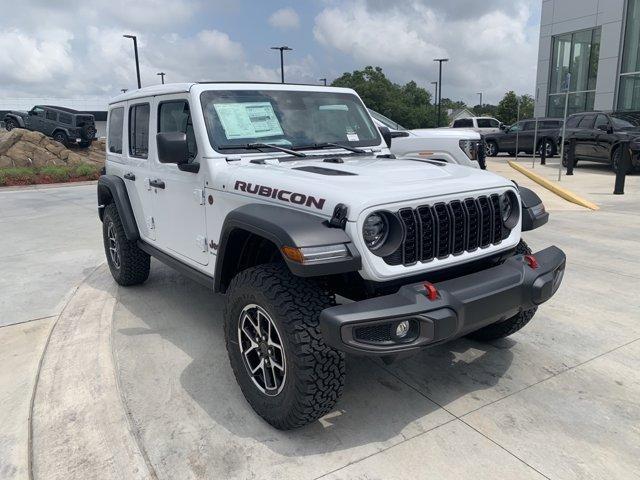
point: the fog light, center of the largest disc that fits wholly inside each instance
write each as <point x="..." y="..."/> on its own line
<point x="402" y="329"/>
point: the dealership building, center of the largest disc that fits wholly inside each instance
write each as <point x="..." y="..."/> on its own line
<point x="598" y="43"/>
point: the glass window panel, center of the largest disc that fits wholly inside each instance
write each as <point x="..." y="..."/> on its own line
<point x="560" y="61"/>
<point x="580" y="56"/>
<point x="629" y="95"/>
<point x="593" y="60"/>
<point x="631" y="51"/>
<point x="116" y="120"/>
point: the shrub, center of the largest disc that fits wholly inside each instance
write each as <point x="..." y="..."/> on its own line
<point x="56" y="173"/>
<point x="86" y="170"/>
<point x="17" y="176"/>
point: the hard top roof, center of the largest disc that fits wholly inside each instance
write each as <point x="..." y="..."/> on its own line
<point x="171" y="88"/>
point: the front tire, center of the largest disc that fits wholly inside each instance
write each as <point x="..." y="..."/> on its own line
<point x="10" y="125"/>
<point x="287" y="373"/>
<point x="513" y="324"/>
<point x="128" y="264"/>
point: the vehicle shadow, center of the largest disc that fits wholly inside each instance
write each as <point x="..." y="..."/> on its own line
<point x="380" y="403"/>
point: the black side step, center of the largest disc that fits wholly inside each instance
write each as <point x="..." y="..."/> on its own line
<point x="186" y="270"/>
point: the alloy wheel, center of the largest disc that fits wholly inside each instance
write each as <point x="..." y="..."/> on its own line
<point x="114" y="247"/>
<point x="262" y="351"/>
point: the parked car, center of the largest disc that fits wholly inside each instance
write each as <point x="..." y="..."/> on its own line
<point x="64" y="125"/>
<point x="286" y="199"/>
<point x="481" y="125"/>
<point x="454" y="146"/>
<point x="520" y="136"/>
<point x="598" y="136"/>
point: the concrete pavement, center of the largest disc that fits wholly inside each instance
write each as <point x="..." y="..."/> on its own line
<point x="135" y="383"/>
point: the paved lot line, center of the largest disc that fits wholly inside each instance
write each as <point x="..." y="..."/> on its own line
<point x="80" y="429"/>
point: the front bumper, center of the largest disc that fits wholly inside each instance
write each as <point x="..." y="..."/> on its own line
<point x="464" y="304"/>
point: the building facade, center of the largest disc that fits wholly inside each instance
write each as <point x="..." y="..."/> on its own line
<point x="598" y="43"/>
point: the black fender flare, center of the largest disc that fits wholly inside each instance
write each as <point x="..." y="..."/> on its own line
<point x="15" y="117"/>
<point x="111" y="189"/>
<point x="291" y="228"/>
<point x="533" y="213"/>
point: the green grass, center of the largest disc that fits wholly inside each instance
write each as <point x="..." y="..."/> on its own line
<point x="47" y="174"/>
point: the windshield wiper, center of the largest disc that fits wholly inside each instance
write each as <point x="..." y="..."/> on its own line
<point x="260" y="146"/>
<point x="333" y="145"/>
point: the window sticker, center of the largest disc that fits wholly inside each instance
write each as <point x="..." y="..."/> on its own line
<point x="339" y="107"/>
<point x="248" y="120"/>
<point x="353" y="137"/>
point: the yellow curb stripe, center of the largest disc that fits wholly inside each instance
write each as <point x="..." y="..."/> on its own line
<point x="561" y="192"/>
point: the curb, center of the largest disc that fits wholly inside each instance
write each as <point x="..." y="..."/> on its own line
<point x="44" y="186"/>
<point x="561" y="192"/>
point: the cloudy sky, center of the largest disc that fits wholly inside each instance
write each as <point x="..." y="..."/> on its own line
<point x="74" y="48"/>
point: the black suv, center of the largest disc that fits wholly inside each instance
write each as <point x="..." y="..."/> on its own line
<point x="62" y="124"/>
<point x="521" y="135"/>
<point x="598" y="136"/>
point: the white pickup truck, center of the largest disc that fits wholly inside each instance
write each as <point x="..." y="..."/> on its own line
<point x="454" y="146"/>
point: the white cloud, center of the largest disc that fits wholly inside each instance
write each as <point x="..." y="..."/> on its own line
<point x="493" y="52"/>
<point x="284" y="18"/>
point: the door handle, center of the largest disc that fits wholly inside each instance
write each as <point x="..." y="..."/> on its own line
<point x="129" y="176"/>
<point x="157" y="183"/>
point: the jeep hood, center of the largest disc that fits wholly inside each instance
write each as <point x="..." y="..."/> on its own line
<point x="358" y="182"/>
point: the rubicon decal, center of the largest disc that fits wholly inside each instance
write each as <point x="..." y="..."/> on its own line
<point x="283" y="195"/>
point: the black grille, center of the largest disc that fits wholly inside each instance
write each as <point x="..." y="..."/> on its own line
<point x="374" y="333"/>
<point x="445" y="229"/>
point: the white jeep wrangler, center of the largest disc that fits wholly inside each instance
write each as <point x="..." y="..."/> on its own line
<point x="286" y="199"/>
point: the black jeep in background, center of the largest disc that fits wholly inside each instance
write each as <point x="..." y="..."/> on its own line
<point x="64" y="125"/>
<point x="598" y="136"/>
<point x="520" y="136"/>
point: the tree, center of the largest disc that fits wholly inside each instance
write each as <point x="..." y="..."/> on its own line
<point x="410" y="105"/>
<point x="507" y="111"/>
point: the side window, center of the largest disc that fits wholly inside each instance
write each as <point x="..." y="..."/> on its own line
<point x="572" y="122"/>
<point x="139" y="130"/>
<point x="53" y="116"/>
<point x="516" y="127"/>
<point x="529" y="126"/>
<point x="64" y="118"/>
<point x="175" y="116"/>
<point x="116" y="121"/>
<point x="601" y="121"/>
<point x="463" y="123"/>
<point x="38" y="111"/>
<point x="493" y="123"/>
<point x="587" y="121"/>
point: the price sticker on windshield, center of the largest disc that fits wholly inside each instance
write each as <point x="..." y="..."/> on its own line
<point x="248" y="120"/>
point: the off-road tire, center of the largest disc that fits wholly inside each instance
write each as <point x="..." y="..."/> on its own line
<point x="491" y="149"/>
<point x="314" y="371"/>
<point x="61" y="137"/>
<point x="549" y="146"/>
<point x="134" y="263"/>
<point x="10" y="124"/>
<point x="513" y="324"/>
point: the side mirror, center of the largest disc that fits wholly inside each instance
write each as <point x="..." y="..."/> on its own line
<point x="398" y="134"/>
<point x="386" y="135"/>
<point x="503" y="127"/>
<point x="172" y="147"/>
<point x="31" y="113"/>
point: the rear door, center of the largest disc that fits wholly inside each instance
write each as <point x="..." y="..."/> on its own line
<point x="585" y="136"/>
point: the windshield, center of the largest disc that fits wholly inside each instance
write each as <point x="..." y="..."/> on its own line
<point x="386" y="121"/>
<point x="625" y="120"/>
<point x="292" y="119"/>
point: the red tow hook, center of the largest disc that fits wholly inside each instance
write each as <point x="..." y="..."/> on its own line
<point x="531" y="261"/>
<point x="431" y="291"/>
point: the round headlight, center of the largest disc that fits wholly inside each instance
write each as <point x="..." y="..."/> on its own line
<point x="375" y="230"/>
<point x="509" y="209"/>
<point x="506" y="207"/>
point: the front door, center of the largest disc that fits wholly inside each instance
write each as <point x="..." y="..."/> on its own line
<point x="603" y="140"/>
<point x="36" y="119"/>
<point x="585" y="137"/>
<point x="179" y="199"/>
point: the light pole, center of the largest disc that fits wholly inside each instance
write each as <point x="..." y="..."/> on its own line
<point x="282" y="50"/>
<point x="135" y="50"/>
<point x="480" y="93"/>
<point x="440" y="61"/>
<point x="162" y="74"/>
<point x="324" y="80"/>
<point x="124" y="90"/>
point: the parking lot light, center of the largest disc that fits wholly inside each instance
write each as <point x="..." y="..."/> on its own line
<point x="135" y="50"/>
